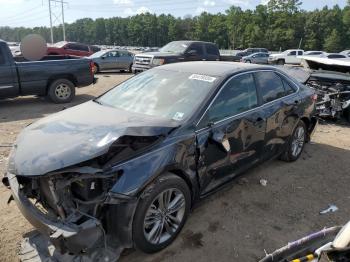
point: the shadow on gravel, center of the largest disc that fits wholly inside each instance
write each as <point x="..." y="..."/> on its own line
<point x="23" y="108"/>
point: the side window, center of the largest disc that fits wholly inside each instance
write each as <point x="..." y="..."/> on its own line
<point x="83" y="48"/>
<point x="237" y="96"/>
<point x="197" y="47"/>
<point x="71" y="46"/>
<point x="300" y="52"/>
<point x="113" y="54"/>
<point x="270" y="85"/>
<point x="212" y="50"/>
<point x="292" y="53"/>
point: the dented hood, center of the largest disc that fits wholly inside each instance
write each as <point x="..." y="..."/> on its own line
<point x="76" y="135"/>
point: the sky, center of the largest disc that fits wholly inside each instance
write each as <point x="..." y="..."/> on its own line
<point x="31" y="13"/>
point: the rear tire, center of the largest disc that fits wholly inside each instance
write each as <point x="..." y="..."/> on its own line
<point x="61" y="91"/>
<point x="281" y="62"/>
<point x="296" y="143"/>
<point x="156" y="223"/>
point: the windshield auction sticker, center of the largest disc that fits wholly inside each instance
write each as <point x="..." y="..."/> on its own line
<point x="205" y="78"/>
<point x="178" y="116"/>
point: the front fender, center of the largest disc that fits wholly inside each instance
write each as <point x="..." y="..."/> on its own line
<point x="137" y="173"/>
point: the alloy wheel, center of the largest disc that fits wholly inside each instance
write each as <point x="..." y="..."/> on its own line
<point x="164" y="216"/>
<point x="298" y="141"/>
<point x="63" y="91"/>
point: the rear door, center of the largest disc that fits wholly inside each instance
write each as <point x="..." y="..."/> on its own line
<point x="124" y="59"/>
<point x="230" y="135"/>
<point x="212" y="51"/>
<point x="280" y="109"/>
<point x="8" y="76"/>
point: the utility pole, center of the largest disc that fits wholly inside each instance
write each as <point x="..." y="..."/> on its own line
<point x="57" y="17"/>
<point x="51" y="22"/>
<point x="63" y="26"/>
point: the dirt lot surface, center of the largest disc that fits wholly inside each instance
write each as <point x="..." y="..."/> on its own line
<point x="236" y="224"/>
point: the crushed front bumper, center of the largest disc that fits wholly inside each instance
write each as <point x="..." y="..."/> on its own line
<point x="66" y="237"/>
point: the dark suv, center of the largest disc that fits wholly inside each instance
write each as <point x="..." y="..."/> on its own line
<point x="177" y="51"/>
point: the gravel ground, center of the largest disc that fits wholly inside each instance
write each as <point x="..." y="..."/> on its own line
<point x="236" y="224"/>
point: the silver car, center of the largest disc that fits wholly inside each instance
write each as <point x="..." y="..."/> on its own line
<point x="112" y="59"/>
<point x="257" y="58"/>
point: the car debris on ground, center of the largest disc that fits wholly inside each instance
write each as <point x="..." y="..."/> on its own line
<point x="331" y="209"/>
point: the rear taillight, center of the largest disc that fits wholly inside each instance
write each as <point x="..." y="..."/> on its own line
<point x="92" y="68"/>
<point x="314" y="97"/>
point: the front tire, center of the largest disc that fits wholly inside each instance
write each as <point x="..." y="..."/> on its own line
<point x="161" y="213"/>
<point x="61" y="91"/>
<point x="295" y="144"/>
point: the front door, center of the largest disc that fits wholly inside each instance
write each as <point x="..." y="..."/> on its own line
<point x="230" y="136"/>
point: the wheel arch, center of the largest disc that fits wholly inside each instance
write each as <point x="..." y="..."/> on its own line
<point x="53" y="78"/>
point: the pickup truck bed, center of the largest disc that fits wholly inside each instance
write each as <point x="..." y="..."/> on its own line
<point x="55" y="78"/>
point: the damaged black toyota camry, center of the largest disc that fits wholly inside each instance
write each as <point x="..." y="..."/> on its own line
<point x="124" y="169"/>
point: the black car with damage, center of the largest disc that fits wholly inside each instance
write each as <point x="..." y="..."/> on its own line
<point x="126" y="168"/>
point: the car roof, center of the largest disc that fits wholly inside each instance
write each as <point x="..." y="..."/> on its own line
<point x="193" y="41"/>
<point x="213" y="68"/>
<point x="258" y="53"/>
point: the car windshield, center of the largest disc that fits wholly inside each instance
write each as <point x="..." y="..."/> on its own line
<point x="162" y="93"/>
<point x="98" y="54"/>
<point x="174" y="47"/>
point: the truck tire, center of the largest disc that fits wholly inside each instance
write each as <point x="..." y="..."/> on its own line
<point x="296" y="143"/>
<point x="61" y="91"/>
<point x="281" y="62"/>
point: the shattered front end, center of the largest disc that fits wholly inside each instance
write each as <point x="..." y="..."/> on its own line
<point x="76" y="211"/>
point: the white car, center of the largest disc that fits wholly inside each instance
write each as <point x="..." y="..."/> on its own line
<point x="314" y="53"/>
<point x="290" y="56"/>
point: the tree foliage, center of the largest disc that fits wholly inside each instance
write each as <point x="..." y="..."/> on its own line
<point x="281" y="24"/>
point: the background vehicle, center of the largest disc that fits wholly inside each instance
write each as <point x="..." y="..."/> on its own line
<point x="257" y="58"/>
<point x="314" y="53"/>
<point x="334" y="56"/>
<point x="287" y="57"/>
<point x="345" y="52"/>
<point x="57" y="78"/>
<point x="177" y="51"/>
<point x="112" y="59"/>
<point x="71" y="48"/>
<point x="167" y="138"/>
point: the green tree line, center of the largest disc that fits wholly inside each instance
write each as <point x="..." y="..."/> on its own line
<point x="281" y="24"/>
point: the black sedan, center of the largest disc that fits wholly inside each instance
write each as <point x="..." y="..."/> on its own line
<point x="126" y="168"/>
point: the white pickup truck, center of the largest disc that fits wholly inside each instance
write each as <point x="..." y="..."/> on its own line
<point x="290" y="56"/>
